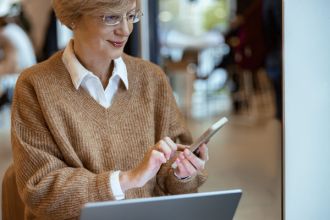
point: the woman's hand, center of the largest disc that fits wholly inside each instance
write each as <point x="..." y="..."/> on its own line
<point x="150" y="165"/>
<point x="188" y="164"/>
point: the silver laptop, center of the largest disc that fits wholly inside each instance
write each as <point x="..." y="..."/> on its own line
<point x="209" y="205"/>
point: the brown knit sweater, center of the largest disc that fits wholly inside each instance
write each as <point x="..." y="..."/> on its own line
<point x="66" y="145"/>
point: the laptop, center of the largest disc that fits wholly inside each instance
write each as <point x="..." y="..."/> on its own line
<point x="208" y="205"/>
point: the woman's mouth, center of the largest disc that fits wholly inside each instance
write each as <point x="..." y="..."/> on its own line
<point x="117" y="44"/>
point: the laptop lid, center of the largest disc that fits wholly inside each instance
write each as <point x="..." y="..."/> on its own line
<point x="209" y="205"/>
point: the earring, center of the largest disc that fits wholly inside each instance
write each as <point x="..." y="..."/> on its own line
<point x="73" y="25"/>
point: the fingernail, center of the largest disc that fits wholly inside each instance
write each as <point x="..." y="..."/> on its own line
<point x="187" y="152"/>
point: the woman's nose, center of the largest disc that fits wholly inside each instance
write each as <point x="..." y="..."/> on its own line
<point x="124" y="28"/>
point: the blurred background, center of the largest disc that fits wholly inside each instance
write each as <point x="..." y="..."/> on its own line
<point x="222" y="58"/>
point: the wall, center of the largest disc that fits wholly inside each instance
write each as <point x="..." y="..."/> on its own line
<point x="307" y="109"/>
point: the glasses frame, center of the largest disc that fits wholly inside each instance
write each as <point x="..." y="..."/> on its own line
<point x="138" y="14"/>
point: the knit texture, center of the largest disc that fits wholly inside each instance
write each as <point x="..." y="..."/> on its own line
<point x="66" y="145"/>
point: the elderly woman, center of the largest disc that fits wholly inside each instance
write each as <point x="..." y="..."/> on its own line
<point x="94" y="124"/>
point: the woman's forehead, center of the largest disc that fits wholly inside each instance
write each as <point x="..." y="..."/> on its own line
<point x="120" y="7"/>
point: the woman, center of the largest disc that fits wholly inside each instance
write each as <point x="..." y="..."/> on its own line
<point x="93" y="124"/>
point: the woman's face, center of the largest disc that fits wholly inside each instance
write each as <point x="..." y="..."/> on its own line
<point x="95" y="38"/>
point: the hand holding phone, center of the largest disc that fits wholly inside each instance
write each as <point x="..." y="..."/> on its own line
<point x="206" y="136"/>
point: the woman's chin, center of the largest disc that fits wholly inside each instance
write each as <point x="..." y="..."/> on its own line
<point x="116" y="54"/>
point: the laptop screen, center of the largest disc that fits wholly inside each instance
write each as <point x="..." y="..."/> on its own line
<point x="209" y="205"/>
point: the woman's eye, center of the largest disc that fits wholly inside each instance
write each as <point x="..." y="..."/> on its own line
<point x="131" y="17"/>
<point x="112" y="18"/>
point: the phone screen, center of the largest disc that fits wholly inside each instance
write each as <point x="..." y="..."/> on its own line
<point x="206" y="136"/>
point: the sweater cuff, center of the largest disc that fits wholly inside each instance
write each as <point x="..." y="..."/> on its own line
<point x="181" y="186"/>
<point x="103" y="186"/>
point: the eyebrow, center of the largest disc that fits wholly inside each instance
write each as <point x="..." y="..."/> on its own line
<point x="134" y="9"/>
<point x="118" y="13"/>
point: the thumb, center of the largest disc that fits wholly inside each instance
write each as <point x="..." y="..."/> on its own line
<point x="182" y="147"/>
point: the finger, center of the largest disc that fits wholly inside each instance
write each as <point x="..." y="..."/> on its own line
<point x="181" y="168"/>
<point x="204" y="152"/>
<point x="164" y="148"/>
<point x="180" y="171"/>
<point x="158" y="156"/>
<point x="194" y="160"/>
<point x="181" y="147"/>
<point x="172" y="145"/>
<point x="190" y="169"/>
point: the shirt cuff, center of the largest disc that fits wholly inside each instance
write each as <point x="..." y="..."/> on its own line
<point x="115" y="186"/>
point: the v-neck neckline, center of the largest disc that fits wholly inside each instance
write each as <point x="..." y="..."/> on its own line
<point x="89" y="105"/>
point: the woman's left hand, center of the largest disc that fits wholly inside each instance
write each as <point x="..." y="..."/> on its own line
<point x="188" y="164"/>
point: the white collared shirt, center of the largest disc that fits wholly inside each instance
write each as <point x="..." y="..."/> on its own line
<point x="80" y="76"/>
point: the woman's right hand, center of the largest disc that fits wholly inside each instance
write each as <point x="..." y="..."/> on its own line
<point x="159" y="154"/>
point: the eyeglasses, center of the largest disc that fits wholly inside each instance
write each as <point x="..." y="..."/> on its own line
<point x="112" y="20"/>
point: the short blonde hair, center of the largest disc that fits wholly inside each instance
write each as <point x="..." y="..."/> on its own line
<point x="69" y="11"/>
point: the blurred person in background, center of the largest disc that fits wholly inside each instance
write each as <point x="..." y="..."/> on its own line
<point x="94" y="124"/>
<point x="247" y="43"/>
<point x="250" y="50"/>
<point x="272" y="21"/>
<point x="16" y="50"/>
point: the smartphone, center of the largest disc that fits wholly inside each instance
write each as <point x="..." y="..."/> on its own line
<point x="206" y="136"/>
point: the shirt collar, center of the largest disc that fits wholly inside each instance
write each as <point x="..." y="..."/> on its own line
<point x="78" y="72"/>
<point x="120" y="70"/>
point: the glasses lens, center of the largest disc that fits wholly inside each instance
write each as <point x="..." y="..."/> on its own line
<point x="134" y="17"/>
<point x="111" y="19"/>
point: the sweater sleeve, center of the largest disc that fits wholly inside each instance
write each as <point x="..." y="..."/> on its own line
<point x="48" y="186"/>
<point x="176" y="129"/>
